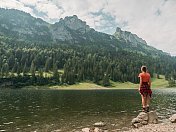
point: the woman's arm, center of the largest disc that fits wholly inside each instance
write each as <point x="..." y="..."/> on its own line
<point x="140" y="83"/>
<point x="149" y="82"/>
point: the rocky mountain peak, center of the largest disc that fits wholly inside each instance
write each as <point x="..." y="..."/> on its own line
<point x="74" y="23"/>
<point x="128" y="37"/>
<point x="69" y="27"/>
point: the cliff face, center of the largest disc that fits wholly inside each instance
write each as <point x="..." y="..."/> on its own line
<point x="128" y="37"/>
<point x="70" y="29"/>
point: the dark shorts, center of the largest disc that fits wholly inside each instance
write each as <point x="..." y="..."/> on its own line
<point x="145" y="89"/>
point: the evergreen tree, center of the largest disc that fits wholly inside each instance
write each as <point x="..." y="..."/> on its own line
<point x="106" y="81"/>
<point x="171" y="83"/>
<point x="55" y="73"/>
<point x="158" y="76"/>
<point x="18" y="69"/>
<point x="32" y="69"/>
<point x="48" y="64"/>
<point x="5" y="70"/>
<point x="25" y="69"/>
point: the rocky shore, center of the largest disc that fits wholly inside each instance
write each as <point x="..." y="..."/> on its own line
<point x="148" y="122"/>
<point x="161" y="127"/>
<point x="144" y="122"/>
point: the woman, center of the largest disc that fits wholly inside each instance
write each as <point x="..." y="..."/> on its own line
<point x="144" y="87"/>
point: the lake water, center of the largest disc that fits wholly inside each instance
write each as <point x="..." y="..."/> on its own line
<point x="72" y="110"/>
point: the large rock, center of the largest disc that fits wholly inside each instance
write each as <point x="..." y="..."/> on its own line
<point x="143" y="116"/>
<point x="144" y="119"/>
<point x="173" y="118"/>
<point x="153" y="118"/>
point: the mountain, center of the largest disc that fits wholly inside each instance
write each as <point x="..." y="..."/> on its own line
<point x="128" y="37"/>
<point x="32" y="51"/>
<point x="22" y="25"/>
<point x="18" y="24"/>
<point x="70" y="30"/>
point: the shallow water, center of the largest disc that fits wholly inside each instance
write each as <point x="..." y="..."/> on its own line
<point x="72" y="110"/>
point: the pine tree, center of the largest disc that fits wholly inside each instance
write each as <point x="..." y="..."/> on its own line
<point x="14" y="69"/>
<point x="5" y="70"/>
<point x="158" y="76"/>
<point x="106" y="81"/>
<point x="55" y="73"/>
<point x="71" y="78"/>
<point x="18" y="69"/>
<point x="167" y="76"/>
<point x="32" y="69"/>
<point x="25" y="69"/>
<point x="48" y="64"/>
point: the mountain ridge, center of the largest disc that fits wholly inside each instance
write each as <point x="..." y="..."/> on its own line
<point x="128" y="36"/>
<point x="70" y="30"/>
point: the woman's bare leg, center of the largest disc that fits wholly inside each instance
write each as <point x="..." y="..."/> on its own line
<point x="143" y="100"/>
<point x="148" y="100"/>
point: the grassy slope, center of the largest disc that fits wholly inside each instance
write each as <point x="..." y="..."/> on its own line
<point x="159" y="83"/>
<point x="156" y="84"/>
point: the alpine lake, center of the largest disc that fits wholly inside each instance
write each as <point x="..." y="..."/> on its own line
<point x="72" y="110"/>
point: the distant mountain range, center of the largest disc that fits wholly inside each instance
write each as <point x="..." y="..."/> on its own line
<point x="70" y="30"/>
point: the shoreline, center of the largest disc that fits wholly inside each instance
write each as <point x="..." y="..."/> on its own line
<point x="38" y="88"/>
<point x="160" y="127"/>
<point x="93" y="86"/>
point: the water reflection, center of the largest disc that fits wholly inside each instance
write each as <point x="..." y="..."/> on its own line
<point x="65" y="110"/>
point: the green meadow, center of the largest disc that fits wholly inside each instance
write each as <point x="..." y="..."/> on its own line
<point x="156" y="83"/>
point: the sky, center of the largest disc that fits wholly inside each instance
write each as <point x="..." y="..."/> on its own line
<point x="152" y="20"/>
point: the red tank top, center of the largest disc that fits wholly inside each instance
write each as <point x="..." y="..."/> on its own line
<point x="145" y="76"/>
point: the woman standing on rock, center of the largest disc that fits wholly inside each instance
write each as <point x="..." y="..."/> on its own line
<point x="144" y="87"/>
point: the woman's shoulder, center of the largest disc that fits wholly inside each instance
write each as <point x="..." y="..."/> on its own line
<point x="140" y="74"/>
<point x="144" y="74"/>
<point x="147" y="74"/>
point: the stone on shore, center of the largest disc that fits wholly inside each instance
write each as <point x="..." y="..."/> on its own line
<point x="144" y="119"/>
<point x="96" y="129"/>
<point x="153" y="118"/>
<point x="85" y="129"/>
<point x="173" y="118"/>
<point x="99" y="124"/>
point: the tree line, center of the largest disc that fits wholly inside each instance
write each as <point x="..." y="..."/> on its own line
<point x="38" y="63"/>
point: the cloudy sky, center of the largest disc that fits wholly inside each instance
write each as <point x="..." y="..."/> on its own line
<point x="152" y="20"/>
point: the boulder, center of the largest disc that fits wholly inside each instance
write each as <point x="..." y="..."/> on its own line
<point x="173" y="118"/>
<point x="135" y="120"/>
<point x="153" y="118"/>
<point x="144" y="122"/>
<point x="137" y="125"/>
<point x="144" y="119"/>
<point x="143" y="116"/>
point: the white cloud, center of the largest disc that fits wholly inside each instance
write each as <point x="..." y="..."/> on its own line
<point x="49" y="8"/>
<point x="158" y="31"/>
<point x="15" y="5"/>
<point x="28" y="2"/>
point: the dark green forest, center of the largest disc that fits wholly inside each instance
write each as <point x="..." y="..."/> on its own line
<point x="28" y="63"/>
